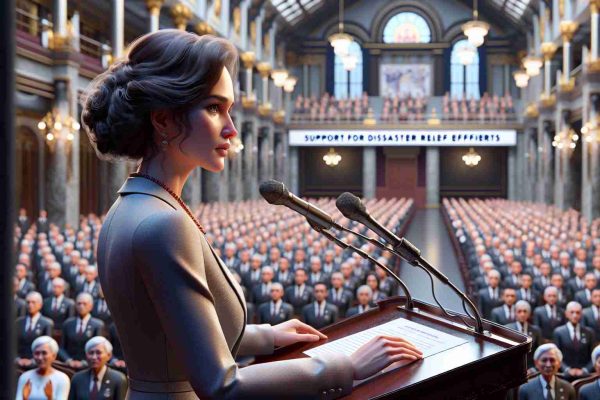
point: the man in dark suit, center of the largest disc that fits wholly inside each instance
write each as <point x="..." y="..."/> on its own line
<point x="300" y="294"/>
<point x="350" y="281"/>
<point x="591" y="314"/>
<point x="584" y="297"/>
<point x="591" y="391"/>
<point x="275" y="311"/>
<point x="489" y="298"/>
<point x="542" y="281"/>
<point x="99" y="381"/>
<point x="526" y="291"/>
<point x="30" y="327"/>
<point x="58" y="307"/>
<point x="364" y="294"/>
<point x="523" y="311"/>
<point x="91" y="284"/>
<point x="549" y="316"/>
<point x="25" y="285"/>
<point x="505" y="313"/>
<point x="42" y="222"/>
<point x="101" y="310"/>
<point x="338" y="295"/>
<point x="77" y="331"/>
<point x="513" y="280"/>
<point x="576" y="343"/>
<point x="316" y="275"/>
<point x="284" y="275"/>
<point x="577" y="282"/>
<point x="565" y="266"/>
<point x="261" y="293"/>
<point x="45" y="286"/>
<point x="547" y="385"/>
<point x="253" y="276"/>
<point x="229" y="258"/>
<point x="20" y="304"/>
<point x="320" y="313"/>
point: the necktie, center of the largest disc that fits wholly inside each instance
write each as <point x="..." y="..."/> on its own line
<point x="80" y="332"/>
<point x="54" y="304"/>
<point x="274" y="310"/>
<point x="548" y="392"/>
<point x="94" y="391"/>
<point x="575" y="339"/>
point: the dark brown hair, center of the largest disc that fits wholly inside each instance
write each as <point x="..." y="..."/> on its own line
<point x="167" y="69"/>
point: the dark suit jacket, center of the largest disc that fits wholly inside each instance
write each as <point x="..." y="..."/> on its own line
<point x="28" y="286"/>
<point x="298" y="302"/>
<point x="257" y="295"/>
<point x="95" y="290"/>
<point x="591" y="322"/>
<point x="532" y="390"/>
<point x="486" y="304"/>
<point x="582" y="299"/>
<point x="535" y="334"/>
<point x="72" y="343"/>
<point x="20" y="307"/>
<point x="330" y="315"/>
<point x="66" y="310"/>
<point x="286" y="312"/>
<point x="575" y="356"/>
<point x="534" y="297"/>
<point x="103" y="315"/>
<point x="354" y="311"/>
<point x="499" y="317"/>
<point x="24" y="339"/>
<point x="547" y="325"/>
<point x="343" y="302"/>
<point x="323" y="278"/>
<point x="287" y="281"/>
<point x="590" y="391"/>
<point x="114" y="385"/>
<point x="181" y="315"/>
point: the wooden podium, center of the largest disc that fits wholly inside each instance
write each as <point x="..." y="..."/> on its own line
<point x="485" y="367"/>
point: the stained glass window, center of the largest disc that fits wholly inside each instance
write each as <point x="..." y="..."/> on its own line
<point x="407" y="27"/>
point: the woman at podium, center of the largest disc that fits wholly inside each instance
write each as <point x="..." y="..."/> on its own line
<point x="180" y="314"/>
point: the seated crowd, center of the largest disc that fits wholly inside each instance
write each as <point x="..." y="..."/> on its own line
<point x="397" y="109"/>
<point x="330" y="109"/>
<point x="536" y="269"/>
<point x="286" y="269"/>
<point x="486" y="108"/>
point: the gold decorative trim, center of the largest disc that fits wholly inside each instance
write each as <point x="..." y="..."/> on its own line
<point x="548" y="49"/>
<point x="264" y="69"/>
<point x="181" y="14"/>
<point x="566" y="86"/>
<point x="593" y="66"/>
<point x="248" y="58"/>
<point x="547" y="101"/>
<point x="568" y="29"/>
<point x="279" y="117"/>
<point x="264" y="110"/>
<point x="248" y="102"/>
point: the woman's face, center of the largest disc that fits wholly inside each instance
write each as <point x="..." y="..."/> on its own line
<point x="211" y="129"/>
<point x="43" y="356"/>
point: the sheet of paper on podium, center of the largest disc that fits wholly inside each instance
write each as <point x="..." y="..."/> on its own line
<point x="430" y="341"/>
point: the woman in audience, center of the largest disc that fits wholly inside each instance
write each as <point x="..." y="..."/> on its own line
<point x="44" y="382"/>
<point x="168" y="104"/>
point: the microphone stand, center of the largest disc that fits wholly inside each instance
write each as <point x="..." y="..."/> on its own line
<point x="411" y="253"/>
<point x="363" y="254"/>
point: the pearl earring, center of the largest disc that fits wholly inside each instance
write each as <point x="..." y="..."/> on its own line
<point x="164" y="143"/>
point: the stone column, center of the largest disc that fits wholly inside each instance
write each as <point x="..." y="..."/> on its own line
<point x="520" y="180"/>
<point x="248" y="159"/>
<point x="264" y="68"/>
<point x="567" y="30"/>
<point x="191" y="193"/>
<point x="369" y="172"/>
<point x="544" y="178"/>
<point x="432" y="169"/>
<point x="60" y="18"/>
<point x="294" y="167"/>
<point x="255" y="160"/>
<point x="224" y="177"/>
<point x="594" y="26"/>
<point x="512" y="173"/>
<point x="263" y="155"/>
<point x="210" y="186"/>
<point x="154" y="9"/>
<point x="249" y="100"/>
<point x="117" y="170"/>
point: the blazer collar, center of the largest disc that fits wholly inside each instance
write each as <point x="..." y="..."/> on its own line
<point x="145" y="186"/>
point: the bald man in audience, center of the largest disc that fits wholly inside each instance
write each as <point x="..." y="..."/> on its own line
<point x="91" y="284"/>
<point x="576" y="343"/>
<point x="78" y="330"/>
<point x="299" y="294"/>
<point x="320" y="313"/>
<point x="505" y="313"/>
<point x="276" y="310"/>
<point x="547" y="385"/>
<point x="30" y="327"/>
<point x="261" y="293"/>
<point x="591" y="391"/>
<point x="98" y="381"/>
<point x="549" y="316"/>
<point x="58" y="307"/>
<point x="364" y="295"/>
<point x="490" y="297"/>
<point x="523" y="313"/>
<point x="338" y="295"/>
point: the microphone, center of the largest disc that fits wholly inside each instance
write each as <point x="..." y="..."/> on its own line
<point x="352" y="208"/>
<point x="276" y="193"/>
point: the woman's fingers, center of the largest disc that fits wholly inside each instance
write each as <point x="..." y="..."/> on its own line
<point x="305" y="337"/>
<point x="406" y="345"/>
<point x="301" y="327"/>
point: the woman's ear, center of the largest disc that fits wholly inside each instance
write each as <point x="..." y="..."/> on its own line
<point x="162" y="121"/>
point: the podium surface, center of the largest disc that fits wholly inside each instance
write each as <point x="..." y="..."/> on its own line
<point x="485" y="366"/>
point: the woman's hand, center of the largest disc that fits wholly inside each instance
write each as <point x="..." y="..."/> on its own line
<point x="27" y="390"/>
<point x="380" y="352"/>
<point x="48" y="390"/>
<point x="294" y="331"/>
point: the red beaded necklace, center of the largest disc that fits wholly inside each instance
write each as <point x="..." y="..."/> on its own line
<point x="172" y="193"/>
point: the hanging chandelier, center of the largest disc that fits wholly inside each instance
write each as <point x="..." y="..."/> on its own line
<point x="279" y="76"/>
<point x="341" y="41"/>
<point x="566" y="139"/>
<point x="290" y="84"/>
<point x="521" y="78"/>
<point x="471" y="158"/>
<point x="476" y="30"/>
<point x="332" y="158"/>
<point x="532" y="65"/>
<point x="590" y="132"/>
<point x="349" y="62"/>
<point x="466" y="54"/>
<point x="53" y="125"/>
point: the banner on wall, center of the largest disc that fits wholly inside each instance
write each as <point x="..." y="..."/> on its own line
<point x="403" y="80"/>
<point x="335" y="137"/>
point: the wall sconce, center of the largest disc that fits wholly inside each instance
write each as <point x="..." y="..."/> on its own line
<point x="471" y="158"/>
<point x="332" y="158"/>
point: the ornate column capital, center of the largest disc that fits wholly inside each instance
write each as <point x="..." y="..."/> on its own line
<point x="264" y="69"/>
<point x="181" y="15"/>
<point x="154" y="6"/>
<point x="203" y="28"/>
<point x="594" y="6"/>
<point x="568" y="29"/>
<point x="548" y="49"/>
<point x="248" y="58"/>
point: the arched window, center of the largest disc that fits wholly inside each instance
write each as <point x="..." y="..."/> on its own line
<point x="407" y="27"/>
<point x="464" y="80"/>
<point x="349" y="84"/>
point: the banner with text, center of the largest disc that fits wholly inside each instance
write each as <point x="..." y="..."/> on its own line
<point x="335" y="137"/>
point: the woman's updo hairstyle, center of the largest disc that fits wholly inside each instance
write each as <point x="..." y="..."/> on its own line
<point x="167" y="69"/>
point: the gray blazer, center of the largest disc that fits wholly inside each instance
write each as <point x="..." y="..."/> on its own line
<point x="181" y="316"/>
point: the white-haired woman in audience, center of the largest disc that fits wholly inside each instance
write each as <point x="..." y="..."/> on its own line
<point x="591" y="391"/>
<point x="44" y="382"/>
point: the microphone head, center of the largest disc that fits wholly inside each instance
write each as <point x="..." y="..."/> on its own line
<point x="350" y="206"/>
<point x="273" y="191"/>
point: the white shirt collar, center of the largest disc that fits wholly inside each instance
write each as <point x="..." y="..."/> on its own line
<point x="33" y="320"/>
<point x="552" y="384"/>
<point x="100" y="377"/>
